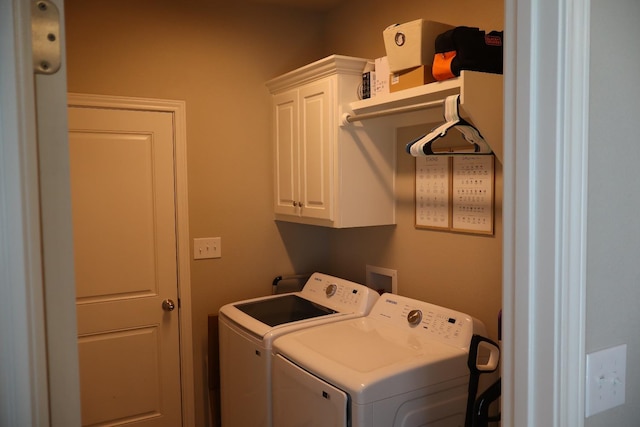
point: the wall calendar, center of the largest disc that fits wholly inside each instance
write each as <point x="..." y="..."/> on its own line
<point x="455" y="193"/>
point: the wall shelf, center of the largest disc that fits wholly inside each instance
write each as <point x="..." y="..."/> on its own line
<point x="481" y="103"/>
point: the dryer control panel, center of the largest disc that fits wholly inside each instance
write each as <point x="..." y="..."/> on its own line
<point x="339" y="294"/>
<point x="439" y="323"/>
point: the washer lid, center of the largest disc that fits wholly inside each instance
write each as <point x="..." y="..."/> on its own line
<point x="284" y="309"/>
<point x="323" y="299"/>
<point x="370" y="360"/>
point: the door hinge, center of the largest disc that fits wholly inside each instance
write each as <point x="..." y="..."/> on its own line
<point x="45" y="34"/>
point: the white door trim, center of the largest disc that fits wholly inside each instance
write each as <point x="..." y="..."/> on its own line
<point x="178" y="109"/>
<point x="572" y="234"/>
<point x="24" y="396"/>
<point x="545" y="179"/>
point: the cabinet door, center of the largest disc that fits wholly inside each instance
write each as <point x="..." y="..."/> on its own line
<point x="286" y="153"/>
<point x="316" y="150"/>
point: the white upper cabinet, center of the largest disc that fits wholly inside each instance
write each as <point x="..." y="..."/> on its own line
<point x="303" y="151"/>
<point x="327" y="174"/>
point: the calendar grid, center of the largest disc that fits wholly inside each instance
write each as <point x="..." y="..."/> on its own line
<point x="455" y="193"/>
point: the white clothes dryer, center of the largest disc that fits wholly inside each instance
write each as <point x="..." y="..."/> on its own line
<point x="248" y="328"/>
<point x="404" y="364"/>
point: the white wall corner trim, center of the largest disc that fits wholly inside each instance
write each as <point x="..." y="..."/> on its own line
<point x="570" y="357"/>
<point x="546" y="122"/>
<point x="24" y="398"/>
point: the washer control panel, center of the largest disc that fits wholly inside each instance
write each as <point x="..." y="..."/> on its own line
<point x="339" y="294"/>
<point x="439" y="323"/>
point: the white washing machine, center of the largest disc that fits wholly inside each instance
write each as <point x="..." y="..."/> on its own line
<point x="248" y="328"/>
<point x="404" y="364"/>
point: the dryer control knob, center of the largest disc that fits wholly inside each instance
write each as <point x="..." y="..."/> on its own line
<point x="414" y="317"/>
<point x="331" y="289"/>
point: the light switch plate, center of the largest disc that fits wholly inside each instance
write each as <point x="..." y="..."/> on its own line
<point x="207" y="247"/>
<point x="606" y="377"/>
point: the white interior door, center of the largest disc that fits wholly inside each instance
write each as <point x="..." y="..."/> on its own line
<point x="123" y="204"/>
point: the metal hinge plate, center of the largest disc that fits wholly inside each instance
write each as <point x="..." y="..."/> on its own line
<point x="45" y="34"/>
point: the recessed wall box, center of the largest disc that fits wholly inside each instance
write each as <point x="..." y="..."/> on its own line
<point x="382" y="279"/>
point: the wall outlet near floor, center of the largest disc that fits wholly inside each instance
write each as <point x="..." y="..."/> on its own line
<point x="606" y="372"/>
<point x="207" y="247"/>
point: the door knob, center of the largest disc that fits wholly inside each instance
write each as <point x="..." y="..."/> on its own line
<point x="168" y="305"/>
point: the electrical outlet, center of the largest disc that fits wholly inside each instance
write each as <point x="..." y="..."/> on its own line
<point x="606" y="372"/>
<point x="207" y="247"/>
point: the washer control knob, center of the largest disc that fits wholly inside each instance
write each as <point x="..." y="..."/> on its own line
<point x="414" y="317"/>
<point x="331" y="289"/>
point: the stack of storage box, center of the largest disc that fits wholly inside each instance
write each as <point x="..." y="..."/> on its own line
<point x="410" y="50"/>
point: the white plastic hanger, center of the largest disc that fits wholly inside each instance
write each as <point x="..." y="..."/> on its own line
<point x="422" y="146"/>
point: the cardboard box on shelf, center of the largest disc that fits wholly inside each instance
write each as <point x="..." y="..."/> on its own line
<point x="412" y="44"/>
<point x="412" y="77"/>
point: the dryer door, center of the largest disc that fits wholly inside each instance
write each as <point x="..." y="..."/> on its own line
<point x="302" y="399"/>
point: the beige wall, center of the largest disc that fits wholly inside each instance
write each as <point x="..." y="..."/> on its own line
<point x="455" y="270"/>
<point x="612" y="235"/>
<point x="217" y="58"/>
<point x="356" y="27"/>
